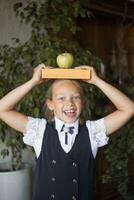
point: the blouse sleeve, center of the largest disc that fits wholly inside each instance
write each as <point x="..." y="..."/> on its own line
<point x="34" y="133"/>
<point x="97" y="134"/>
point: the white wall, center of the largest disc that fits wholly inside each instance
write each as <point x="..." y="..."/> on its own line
<point x="10" y="26"/>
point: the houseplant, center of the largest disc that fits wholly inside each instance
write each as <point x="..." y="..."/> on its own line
<point x="45" y="43"/>
<point x="43" y="46"/>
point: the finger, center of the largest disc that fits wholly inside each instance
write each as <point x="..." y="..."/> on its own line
<point x="84" y="67"/>
<point x="48" y="66"/>
<point x="40" y="66"/>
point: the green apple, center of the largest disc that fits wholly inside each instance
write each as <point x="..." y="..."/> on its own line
<point x="65" y="60"/>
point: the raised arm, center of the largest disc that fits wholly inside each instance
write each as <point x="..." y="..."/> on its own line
<point x="124" y="105"/>
<point x="8" y="114"/>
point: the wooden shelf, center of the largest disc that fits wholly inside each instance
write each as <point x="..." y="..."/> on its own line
<point x="58" y="73"/>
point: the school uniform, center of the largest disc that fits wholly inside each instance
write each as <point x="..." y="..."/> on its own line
<point x="65" y="169"/>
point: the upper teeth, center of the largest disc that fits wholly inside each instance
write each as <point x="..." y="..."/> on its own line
<point x="68" y="111"/>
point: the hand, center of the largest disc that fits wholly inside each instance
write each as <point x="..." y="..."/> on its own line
<point x="93" y="78"/>
<point x="37" y="74"/>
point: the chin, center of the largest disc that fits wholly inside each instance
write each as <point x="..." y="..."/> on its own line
<point x="70" y="120"/>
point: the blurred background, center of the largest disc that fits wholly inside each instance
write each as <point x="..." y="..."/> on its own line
<point x="99" y="33"/>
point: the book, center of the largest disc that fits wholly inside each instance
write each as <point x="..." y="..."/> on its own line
<point x="60" y="73"/>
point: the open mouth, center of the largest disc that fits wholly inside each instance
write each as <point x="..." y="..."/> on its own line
<point x="70" y="113"/>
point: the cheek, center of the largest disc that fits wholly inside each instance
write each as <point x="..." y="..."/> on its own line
<point x="79" y="105"/>
<point x="58" y="106"/>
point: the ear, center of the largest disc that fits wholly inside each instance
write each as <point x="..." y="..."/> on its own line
<point x="49" y="104"/>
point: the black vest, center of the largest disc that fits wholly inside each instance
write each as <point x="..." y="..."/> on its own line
<point x="61" y="175"/>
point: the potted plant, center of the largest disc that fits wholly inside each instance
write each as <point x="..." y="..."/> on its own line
<point x="15" y="176"/>
<point x="16" y="64"/>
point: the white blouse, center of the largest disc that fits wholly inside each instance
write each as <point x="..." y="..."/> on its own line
<point x="36" y="126"/>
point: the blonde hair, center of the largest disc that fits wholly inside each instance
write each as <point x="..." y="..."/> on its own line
<point x="49" y="115"/>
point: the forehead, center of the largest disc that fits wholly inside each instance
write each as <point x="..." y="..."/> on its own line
<point x="63" y="85"/>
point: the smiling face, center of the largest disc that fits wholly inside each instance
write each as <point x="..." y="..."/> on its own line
<point x="66" y="102"/>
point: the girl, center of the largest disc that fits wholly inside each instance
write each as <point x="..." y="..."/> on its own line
<point x="64" y="147"/>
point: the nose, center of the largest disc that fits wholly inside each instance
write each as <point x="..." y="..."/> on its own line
<point x="69" y="101"/>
